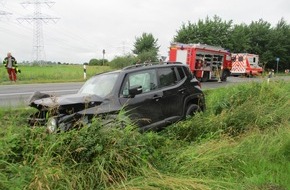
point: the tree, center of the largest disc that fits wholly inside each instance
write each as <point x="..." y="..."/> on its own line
<point x="280" y="45"/>
<point x="209" y="31"/>
<point x="146" y="45"/>
<point x="239" y="39"/>
<point x="258" y="37"/>
<point x="123" y="61"/>
<point x="98" y="62"/>
<point x="150" y="56"/>
<point x="94" y="62"/>
<point x="260" y="33"/>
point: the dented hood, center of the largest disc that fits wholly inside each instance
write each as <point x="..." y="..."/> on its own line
<point x="51" y="101"/>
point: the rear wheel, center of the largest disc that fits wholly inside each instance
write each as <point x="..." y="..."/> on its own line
<point x="225" y="74"/>
<point x="191" y="110"/>
<point x="251" y="74"/>
<point x="205" y="76"/>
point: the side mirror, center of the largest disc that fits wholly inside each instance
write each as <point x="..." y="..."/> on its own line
<point x="135" y="90"/>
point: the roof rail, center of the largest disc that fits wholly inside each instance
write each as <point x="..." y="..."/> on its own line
<point x="149" y="64"/>
<point x="137" y="65"/>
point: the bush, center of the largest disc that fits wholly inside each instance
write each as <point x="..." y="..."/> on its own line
<point x="123" y="61"/>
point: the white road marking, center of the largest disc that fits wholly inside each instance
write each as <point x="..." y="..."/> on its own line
<point x="26" y="93"/>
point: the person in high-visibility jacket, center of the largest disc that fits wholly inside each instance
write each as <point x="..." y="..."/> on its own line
<point x="11" y="65"/>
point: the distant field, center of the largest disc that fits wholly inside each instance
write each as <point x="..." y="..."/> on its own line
<point x="52" y="73"/>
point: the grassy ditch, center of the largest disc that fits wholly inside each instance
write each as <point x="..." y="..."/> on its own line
<point x="241" y="142"/>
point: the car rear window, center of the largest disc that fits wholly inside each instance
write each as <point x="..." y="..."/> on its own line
<point x="180" y="72"/>
<point x="167" y="76"/>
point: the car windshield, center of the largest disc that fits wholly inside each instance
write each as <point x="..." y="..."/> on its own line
<point x="100" y="85"/>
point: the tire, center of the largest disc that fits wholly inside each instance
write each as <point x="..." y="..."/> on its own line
<point x="225" y="75"/>
<point x="205" y="76"/>
<point x="191" y="110"/>
<point x="251" y="75"/>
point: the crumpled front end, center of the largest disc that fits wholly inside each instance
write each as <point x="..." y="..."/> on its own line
<point x="63" y="112"/>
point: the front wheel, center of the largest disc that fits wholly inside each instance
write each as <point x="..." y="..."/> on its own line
<point x="205" y="76"/>
<point x="191" y="110"/>
<point x="225" y="74"/>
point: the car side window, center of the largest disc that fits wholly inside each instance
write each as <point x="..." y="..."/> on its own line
<point x="181" y="73"/>
<point x="167" y="76"/>
<point x="145" y="79"/>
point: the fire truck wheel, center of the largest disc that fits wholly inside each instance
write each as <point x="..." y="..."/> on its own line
<point x="191" y="110"/>
<point x="251" y="74"/>
<point x="205" y="77"/>
<point x="224" y="76"/>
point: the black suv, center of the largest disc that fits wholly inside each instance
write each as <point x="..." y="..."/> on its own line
<point x="153" y="96"/>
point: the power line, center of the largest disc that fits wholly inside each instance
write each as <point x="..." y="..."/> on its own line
<point x="37" y="19"/>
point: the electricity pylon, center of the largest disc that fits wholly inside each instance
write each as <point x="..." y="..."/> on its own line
<point x="37" y="19"/>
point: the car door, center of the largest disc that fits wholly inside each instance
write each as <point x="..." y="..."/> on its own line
<point x="171" y="82"/>
<point x="143" y="108"/>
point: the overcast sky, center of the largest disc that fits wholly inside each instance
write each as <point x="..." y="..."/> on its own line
<point x="86" y="27"/>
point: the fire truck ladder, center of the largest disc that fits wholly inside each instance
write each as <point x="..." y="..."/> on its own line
<point x="200" y="46"/>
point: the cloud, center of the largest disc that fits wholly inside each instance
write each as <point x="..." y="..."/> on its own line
<point x="87" y="27"/>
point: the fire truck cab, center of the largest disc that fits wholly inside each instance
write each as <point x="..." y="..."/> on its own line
<point x="245" y="64"/>
<point x="205" y="62"/>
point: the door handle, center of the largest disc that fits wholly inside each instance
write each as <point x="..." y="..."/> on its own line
<point x="156" y="97"/>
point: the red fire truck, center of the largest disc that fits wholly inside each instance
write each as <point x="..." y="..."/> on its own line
<point x="206" y="62"/>
<point x="245" y="64"/>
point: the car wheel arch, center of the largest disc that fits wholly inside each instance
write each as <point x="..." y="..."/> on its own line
<point x="190" y="102"/>
<point x="191" y="110"/>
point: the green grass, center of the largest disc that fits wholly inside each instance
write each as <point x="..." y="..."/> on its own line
<point x="242" y="141"/>
<point x="52" y="73"/>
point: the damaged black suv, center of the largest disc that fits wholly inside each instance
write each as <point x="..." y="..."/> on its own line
<point x="153" y="96"/>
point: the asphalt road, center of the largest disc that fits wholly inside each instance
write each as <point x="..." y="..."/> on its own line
<point x="18" y="95"/>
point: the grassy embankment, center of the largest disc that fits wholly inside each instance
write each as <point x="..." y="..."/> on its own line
<point x="52" y="73"/>
<point x="241" y="142"/>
